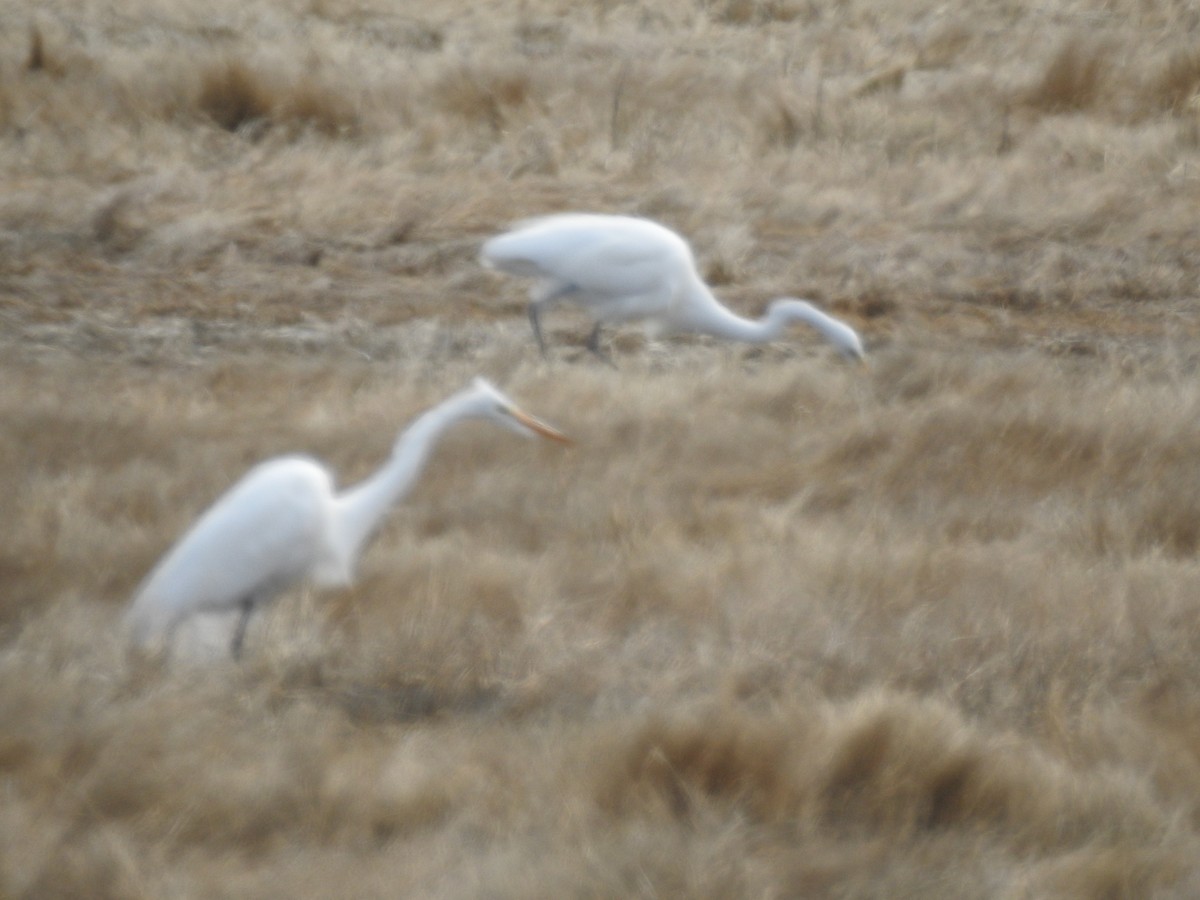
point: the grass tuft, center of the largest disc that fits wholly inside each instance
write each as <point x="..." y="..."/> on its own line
<point x="309" y="103"/>
<point x="483" y="96"/>
<point x="724" y="756"/>
<point x="235" y="96"/>
<point x="39" y="58"/>
<point x="1177" y="83"/>
<point x="1073" y="80"/>
<point x="759" y="12"/>
<point x="36" y="60"/>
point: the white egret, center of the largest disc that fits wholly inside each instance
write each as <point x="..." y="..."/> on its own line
<point x="623" y="268"/>
<point x="284" y="522"/>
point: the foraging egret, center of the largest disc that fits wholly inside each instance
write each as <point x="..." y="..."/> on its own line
<point x="284" y="522"/>
<point x="622" y="268"/>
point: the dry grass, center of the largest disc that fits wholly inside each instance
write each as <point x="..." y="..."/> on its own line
<point x="1072" y="81"/>
<point x="773" y="627"/>
<point x="237" y="98"/>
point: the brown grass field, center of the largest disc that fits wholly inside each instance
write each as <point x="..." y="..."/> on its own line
<point x="774" y="627"/>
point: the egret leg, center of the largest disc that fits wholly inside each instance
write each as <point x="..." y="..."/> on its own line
<point x="239" y="636"/>
<point x="542" y="299"/>
<point x="534" y="311"/>
<point x="593" y="344"/>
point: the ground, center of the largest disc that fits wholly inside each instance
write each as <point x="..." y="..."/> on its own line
<point x="774" y="626"/>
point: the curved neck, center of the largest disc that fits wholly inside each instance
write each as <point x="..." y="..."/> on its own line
<point x="705" y="314"/>
<point x="358" y="511"/>
<point x="710" y="317"/>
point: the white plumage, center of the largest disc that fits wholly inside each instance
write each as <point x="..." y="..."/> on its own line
<point x="284" y="523"/>
<point x="623" y="268"/>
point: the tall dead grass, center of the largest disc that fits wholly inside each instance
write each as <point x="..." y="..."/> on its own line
<point x="888" y="630"/>
<point x="773" y="627"/>
<point x="237" y="97"/>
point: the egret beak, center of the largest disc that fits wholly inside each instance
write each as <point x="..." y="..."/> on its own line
<point x="539" y="427"/>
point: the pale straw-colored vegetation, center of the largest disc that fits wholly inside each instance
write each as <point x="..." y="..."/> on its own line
<point x="774" y="627"/>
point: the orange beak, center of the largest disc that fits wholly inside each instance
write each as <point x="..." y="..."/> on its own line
<point x="540" y="427"/>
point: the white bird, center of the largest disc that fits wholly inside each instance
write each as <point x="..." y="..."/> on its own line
<point x="623" y="268"/>
<point x="284" y="523"/>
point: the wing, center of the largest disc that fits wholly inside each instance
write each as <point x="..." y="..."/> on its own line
<point x="600" y="256"/>
<point x="263" y="535"/>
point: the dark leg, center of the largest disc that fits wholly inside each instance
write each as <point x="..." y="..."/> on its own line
<point x="537" y="326"/>
<point x="593" y="344"/>
<point x="546" y="299"/>
<point x="240" y="635"/>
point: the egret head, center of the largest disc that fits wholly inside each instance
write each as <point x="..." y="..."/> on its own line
<point x="850" y="346"/>
<point x="843" y="338"/>
<point x="498" y="407"/>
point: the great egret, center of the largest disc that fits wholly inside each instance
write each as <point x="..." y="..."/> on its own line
<point x="622" y="268"/>
<point x="284" y="522"/>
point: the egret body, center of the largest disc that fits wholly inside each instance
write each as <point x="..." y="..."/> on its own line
<point x="624" y="268"/>
<point x="285" y="523"/>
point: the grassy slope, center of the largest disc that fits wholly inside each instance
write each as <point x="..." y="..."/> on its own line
<point x="773" y="627"/>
